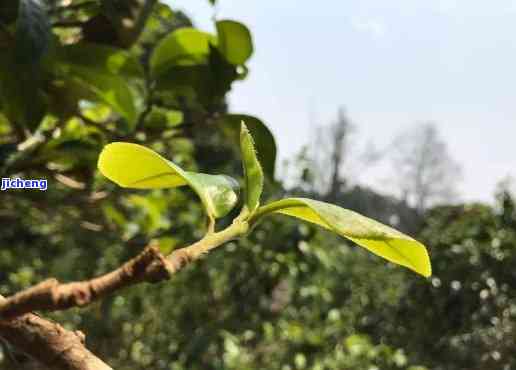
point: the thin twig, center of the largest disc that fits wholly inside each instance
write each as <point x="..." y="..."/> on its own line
<point x="100" y="126"/>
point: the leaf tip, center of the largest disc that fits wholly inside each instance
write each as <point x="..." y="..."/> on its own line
<point x="422" y="265"/>
<point x="243" y="128"/>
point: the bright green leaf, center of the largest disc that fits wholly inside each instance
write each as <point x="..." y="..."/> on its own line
<point x="379" y="239"/>
<point x="135" y="166"/>
<point x="183" y="47"/>
<point x="235" y="41"/>
<point x="263" y="139"/>
<point x="253" y="173"/>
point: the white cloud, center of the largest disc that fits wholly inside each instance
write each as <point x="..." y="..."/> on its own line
<point x="374" y="27"/>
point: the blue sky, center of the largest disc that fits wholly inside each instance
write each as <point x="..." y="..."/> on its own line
<point x="392" y="64"/>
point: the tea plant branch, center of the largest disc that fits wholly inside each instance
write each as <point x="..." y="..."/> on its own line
<point x="49" y="343"/>
<point x="57" y="348"/>
<point x="149" y="266"/>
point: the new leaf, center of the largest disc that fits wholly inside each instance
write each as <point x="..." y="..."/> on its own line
<point x="262" y="137"/>
<point x="379" y="239"/>
<point x="253" y="173"/>
<point x="135" y="166"/>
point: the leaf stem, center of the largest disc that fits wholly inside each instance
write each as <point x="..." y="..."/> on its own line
<point x="271" y="207"/>
<point x="211" y="225"/>
<point x="213" y="240"/>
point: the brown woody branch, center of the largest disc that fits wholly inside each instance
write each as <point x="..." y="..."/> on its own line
<point x="50" y="295"/>
<point x="49" y="343"/>
<point x="60" y="349"/>
<point x="149" y="266"/>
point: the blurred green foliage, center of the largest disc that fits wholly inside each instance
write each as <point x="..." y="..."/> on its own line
<point x="468" y="313"/>
<point x="288" y="297"/>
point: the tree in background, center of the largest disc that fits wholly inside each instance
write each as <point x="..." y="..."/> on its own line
<point x="330" y="152"/>
<point x="425" y="172"/>
<point x="330" y="169"/>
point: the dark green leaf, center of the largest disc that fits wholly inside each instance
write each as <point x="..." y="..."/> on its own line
<point x="20" y="73"/>
<point x="22" y="101"/>
<point x="8" y="11"/>
<point x="204" y="83"/>
<point x="33" y="32"/>
<point x="263" y="139"/>
<point x="102" y="57"/>
<point x="162" y="119"/>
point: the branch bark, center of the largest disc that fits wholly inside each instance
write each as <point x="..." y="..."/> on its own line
<point x="149" y="266"/>
<point x="49" y="343"/>
<point x="50" y="295"/>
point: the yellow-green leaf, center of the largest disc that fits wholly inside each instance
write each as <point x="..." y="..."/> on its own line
<point x="135" y="166"/>
<point x="376" y="237"/>
<point x="253" y="173"/>
<point x="235" y="41"/>
<point x="183" y="47"/>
